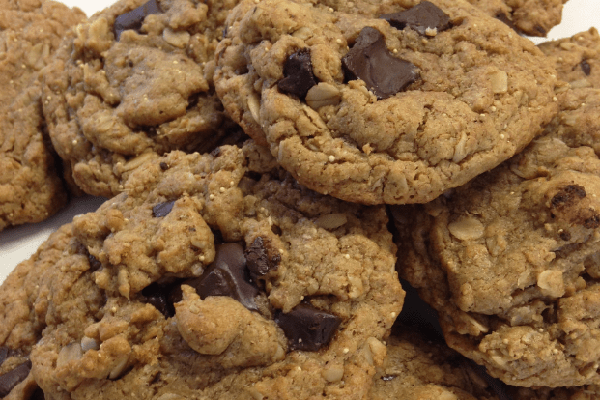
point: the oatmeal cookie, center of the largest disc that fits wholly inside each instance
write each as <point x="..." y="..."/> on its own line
<point x="376" y="112"/>
<point x="533" y="17"/>
<point x="577" y="59"/>
<point x="30" y="186"/>
<point x="133" y="83"/>
<point x="416" y="369"/>
<point x="510" y="260"/>
<point x="219" y="277"/>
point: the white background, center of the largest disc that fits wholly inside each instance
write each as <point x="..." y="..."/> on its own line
<point x="18" y="243"/>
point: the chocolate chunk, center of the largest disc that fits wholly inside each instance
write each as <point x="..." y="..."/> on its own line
<point x="568" y="195"/>
<point x="370" y="60"/>
<point x="12" y="378"/>
<point x="162" y="209"/>
<point x="95" y="264"/>
<point x="163" y="166"/>
<point x="299" y="77"/>
<point x="226" y="277"/>
<point x="258" y="261"/>
<point x="426" y="18"/>
<point x="135" y="18"/>
<point x="585" y="67"/>
<point x="540" y="30"/>
<point x="307" y="328"/>
<point x="158" y="296"/>
<point x="4" y="354"/>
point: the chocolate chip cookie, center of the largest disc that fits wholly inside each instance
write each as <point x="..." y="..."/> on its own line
<point x="135" y="82"/>
<point x="216" y="276"/>
<point x="393" y="110"/>
<point x="30" y="186"/>
<point x="510" y="260"/>
<point x="577" y="59"/>
<point x="535" y="18"/>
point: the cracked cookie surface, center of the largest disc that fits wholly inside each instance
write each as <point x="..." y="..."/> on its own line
<point x="479" y="94"/>
<point x="30" y="184"/>
<point x="135" y="82"/>
<point x="510" y="259"/>
<point x="199" y="279"/>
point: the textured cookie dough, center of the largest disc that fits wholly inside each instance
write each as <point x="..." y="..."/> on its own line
<point x="30" y="33"/>
<point x="112" y="102"/>
<point x="481" y="95"/>
<point x="145" y="327"/>
<point x="577" y="59"/>
<point x="510" y="260"/>
<point x="533" y="17"/>
<point x="416" y="369"/>
<point x="25" y="300"/>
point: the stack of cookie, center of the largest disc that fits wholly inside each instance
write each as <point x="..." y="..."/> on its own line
<point x="273" y="168"/>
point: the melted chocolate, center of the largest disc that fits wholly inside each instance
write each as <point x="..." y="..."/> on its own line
<point x="370" y="60"/>
<point x="299" y="77"/>
<point x="135" y="18"/>
<point x="421" y="18"/>
<point x="307" y="328"/>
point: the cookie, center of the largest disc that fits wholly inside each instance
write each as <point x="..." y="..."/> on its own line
<point x="30" y="186"/>
<point x="535" y="18"/>
<point x="24" y="300"/>
<point x="416" y="369"/>
<point x="465" y="93"/>
<point x="577" y="59"/>
<point x="214" y="276"/>
<point x="509" y="260"/>
<point x="134" y="83"/>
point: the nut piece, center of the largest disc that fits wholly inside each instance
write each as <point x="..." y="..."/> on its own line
<point x="331" y="221"/>
<point x="551" y="283"/>
<point x="323" y="94"/>
<point x="499" y="80"/>
<point x="178" y="39"/>
<point x="466" y="228"/>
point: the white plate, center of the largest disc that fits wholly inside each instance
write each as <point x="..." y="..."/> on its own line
<point x="19" y="243"/>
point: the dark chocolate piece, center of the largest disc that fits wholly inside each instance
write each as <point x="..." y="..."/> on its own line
<point x="162" y="209"/>
<point x="420" y="18"/>
<point x="95" y="264"/>
<point x="307" y="328"/>
<point x="158" y="296"/>
<point x="585" y="67"/>
<point x="4" y="354"/>
<point x="258" y="261"/>
<point x="299" y="77"/>
<point x="370" y="60"/>
<point x="163" y="166"/>
<point x="135" y="18"/>
<point x="12" y="378"/>
<point x="226" y="277"/>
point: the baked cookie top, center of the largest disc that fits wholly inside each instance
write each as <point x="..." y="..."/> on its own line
<point x="376" y="112"/>
<point x="533" y="17"/>
<point x="510" y="259"/>
<point x="577" y="59"/>
<point x="30" y="33"/>
<point x="218" y="276"/>
<point x="417" y="369"/>
<point x="133" y="83"/>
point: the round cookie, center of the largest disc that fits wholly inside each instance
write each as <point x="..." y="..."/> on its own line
<point x="461" y="97"/>
<point x="577" y="59"/>
<point x="510" y="259"/>
<point x="30" y="186"/>
<point x="133" y="83"/>
<point x="218" y="277"/>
